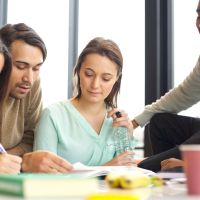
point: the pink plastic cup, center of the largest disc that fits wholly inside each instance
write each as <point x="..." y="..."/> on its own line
<point x="191" y="157"/>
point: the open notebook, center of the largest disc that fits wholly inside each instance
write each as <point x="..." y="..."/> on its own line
<point x="89" y="172"/>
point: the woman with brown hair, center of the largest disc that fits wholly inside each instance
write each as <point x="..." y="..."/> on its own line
<point x="8" y="163"/>
<point x="79" y="129"/>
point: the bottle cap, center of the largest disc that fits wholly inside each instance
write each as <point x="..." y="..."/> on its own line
<point x="118" y="114"/>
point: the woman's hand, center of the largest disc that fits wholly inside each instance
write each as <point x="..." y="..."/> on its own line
<point x="120" y="161"/>
<point x="10" y="164"/>
<point x="169" y="163"/>
<point x="122" y="121"/>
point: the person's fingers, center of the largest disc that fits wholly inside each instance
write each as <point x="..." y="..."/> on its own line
<point x="46" y="169"/>
<point x="113" y="111"/>
<point x="11" y="171"/>
<point x="61" y="165"/>
<point x="10" y="158"/>
<point x="163" y="162"/>
<point x="129" y="160"/>
<point x="59" y="168"/>
<point x="123" y="118"/>
<point x="125" y="153"/>
<point x="7" y="169"/>
<point x="10" y="161"/>
<point x="114" y="116"/>
<point x="14" y="166"/>
<point x="124" y="115"/>
<point x="169" y="163"/>
<point x="50" y="171"/>
<point x="45" y="162"/>
<point x="165" y="166"/>
<point x="130" y="164"/>
<point x="123" y="122"/>
<point x="46" y="166"/>
<point x="16" y="159"/>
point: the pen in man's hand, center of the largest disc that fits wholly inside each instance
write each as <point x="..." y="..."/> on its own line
<point x="2" y="150"/>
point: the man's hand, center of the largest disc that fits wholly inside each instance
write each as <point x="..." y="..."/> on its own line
<point x="45" y="162"/>
<point x="169" y="163"/>
<point x="10" y="164"/>
<point x="135" y="124"/>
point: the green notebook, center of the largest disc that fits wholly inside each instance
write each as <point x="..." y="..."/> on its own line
<point x="46" y="185"/>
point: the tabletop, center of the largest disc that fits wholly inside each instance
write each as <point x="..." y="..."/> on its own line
<point x="172" y="191"/>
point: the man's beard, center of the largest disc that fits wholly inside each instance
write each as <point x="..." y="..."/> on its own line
<point x="20" y="95"/>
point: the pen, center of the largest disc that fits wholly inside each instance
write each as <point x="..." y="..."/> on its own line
<point x="2" y="150"/>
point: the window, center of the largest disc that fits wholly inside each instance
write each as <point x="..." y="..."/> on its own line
<point x="123" y="22"/>
<point x="186" y="45"/>
<point x="50" y="20"/>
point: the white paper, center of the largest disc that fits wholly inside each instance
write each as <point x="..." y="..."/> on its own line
<point x="85" y="171"/>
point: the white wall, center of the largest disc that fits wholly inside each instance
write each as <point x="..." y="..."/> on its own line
<point x="50" y="20"/>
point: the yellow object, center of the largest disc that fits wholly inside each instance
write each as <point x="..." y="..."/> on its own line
<point x="112" y="179"/>
<point x="157" y="180"/>
<point x="112" y="197"/>
<point x="133" y="179"/>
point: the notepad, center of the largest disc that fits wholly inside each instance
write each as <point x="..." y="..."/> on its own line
<point x="94" y="171"/>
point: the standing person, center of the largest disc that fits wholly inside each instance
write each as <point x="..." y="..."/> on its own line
<point x="168" y="130"/>
<point x="24" y="104"/>
<point x="8" y="163"/>
<point x="79" y="129"/>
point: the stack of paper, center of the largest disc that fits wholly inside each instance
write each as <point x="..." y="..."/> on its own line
<point x="89" y="172"/>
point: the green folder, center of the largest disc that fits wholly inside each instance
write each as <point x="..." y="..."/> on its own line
<point x="46" y="185"/>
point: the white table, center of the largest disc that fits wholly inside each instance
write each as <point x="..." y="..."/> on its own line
<point x="166" y="192"/>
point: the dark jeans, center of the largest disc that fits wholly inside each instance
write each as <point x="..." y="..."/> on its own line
<point x="167" y="132"/>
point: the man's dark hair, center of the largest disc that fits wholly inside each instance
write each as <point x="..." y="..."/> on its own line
<point x="12" y="32"/>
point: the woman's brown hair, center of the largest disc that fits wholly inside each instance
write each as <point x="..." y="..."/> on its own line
<point x="4" y="80"/>
<point x="106" y="48"/>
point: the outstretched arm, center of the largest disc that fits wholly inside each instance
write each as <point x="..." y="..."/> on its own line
<point x="180" y="98"/>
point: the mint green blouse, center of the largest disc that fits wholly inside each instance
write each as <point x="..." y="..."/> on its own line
<point x="65" y="132"/>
